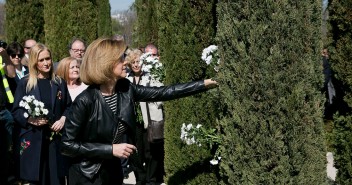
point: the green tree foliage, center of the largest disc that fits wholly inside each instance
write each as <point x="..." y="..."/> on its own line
<point x="104" y="18"/>
<point x="147" y="23"/>
<point x="24" y="19"/>
<point x="65" y="20"/>
<point x="185" y="29"/>
<point x="269" y="83"/>
<point x="341" y="60"/>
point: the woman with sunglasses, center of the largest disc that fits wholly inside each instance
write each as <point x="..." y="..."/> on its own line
<point x="15" y="51"/>
<point x="38" y="137"/>
<point x="103" y="113"/>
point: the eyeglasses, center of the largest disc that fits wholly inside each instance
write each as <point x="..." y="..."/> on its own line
<point x="46" y="59"/>
<point x="78" y="50"/>
<point x="27" y="47"/>
<point x="18" y="55"/>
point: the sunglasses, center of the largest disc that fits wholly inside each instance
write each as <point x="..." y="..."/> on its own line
<point x="18" y="55"/>
<point x="27" y="47"/>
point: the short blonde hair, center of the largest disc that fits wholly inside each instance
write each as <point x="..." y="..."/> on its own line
<point x="132" y="56"/>
<point x="32" y="66"/>
<point x="100" y="59"/>
<point x="63" y="68"/>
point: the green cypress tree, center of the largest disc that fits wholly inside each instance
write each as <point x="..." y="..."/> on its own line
<point x="185" y="29"/>
<point x="269" y="82"/>
<point x="104" y="18"/>
<point x="65" y="20"/>
<point x="24" y="19"/>
<point x="147" y="22"/>
<point x="340" y="19"/>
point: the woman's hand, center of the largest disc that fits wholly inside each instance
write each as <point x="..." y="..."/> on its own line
<point x="37" y="121"/>
<point x="59" y="124"/>
<point x="209" y="83"/>
<point x="123" y="150"/>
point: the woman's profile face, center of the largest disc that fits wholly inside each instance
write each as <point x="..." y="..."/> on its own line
<point x="44" y="64"/>
<point x="119" y="70"/>
<point x="73" y="72"/>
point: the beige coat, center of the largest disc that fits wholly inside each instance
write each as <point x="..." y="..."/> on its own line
<point x="155" y="108"/>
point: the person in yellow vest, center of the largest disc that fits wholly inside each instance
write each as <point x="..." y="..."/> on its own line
<point x="7" y="76"/>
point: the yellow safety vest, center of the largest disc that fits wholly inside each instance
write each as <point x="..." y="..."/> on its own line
<point x="5" y="82"/>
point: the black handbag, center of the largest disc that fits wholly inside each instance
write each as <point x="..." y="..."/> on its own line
<point x="155" y="129"/>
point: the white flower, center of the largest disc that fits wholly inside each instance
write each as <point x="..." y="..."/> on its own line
<point x="36" y="102"/>
<point x="27" y="107"/>
<point x="34" y="107"/>
<point x="198" y="126"/>
<point x="189" y="127"/>
<point x="45" y="111"/>
<point x="25" y="115"/>
<point x="210" y="56"/>
<point x="214" y="162"/>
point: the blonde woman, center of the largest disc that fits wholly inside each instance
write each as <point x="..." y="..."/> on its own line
<point x="104" y="113"/>
<point x="68" y="69"/>
<point x="38" y="138"/>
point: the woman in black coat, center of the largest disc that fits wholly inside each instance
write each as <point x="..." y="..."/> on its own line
<point x="105" y="111"/>
<point x="37" y="139"/>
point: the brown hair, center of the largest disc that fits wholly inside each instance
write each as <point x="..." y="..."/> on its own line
<point x="100" y="59"/>
<point x="63" y="68"/>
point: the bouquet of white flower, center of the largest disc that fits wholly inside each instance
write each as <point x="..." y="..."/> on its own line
<point x="211" y="57"/>
<point x="153" y="66"/>
<point x="34" y="107"/>
<point x="200" y="135"/>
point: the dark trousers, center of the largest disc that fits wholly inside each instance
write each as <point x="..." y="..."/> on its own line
<point x="149" y="162"/>
<point x="5" y="142"/>
<point x="110" y="173"/>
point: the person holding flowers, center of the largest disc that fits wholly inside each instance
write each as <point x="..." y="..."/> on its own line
<point x="41" y="104"/>
<point x="103" y="113"/>
<point x="150" y="153"/>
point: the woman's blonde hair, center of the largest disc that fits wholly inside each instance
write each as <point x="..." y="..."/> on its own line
<point x="63" y="69"/>
<point x="100" y="59"/>
<point x="132" y="56"/>
<point x="33" y="69"/>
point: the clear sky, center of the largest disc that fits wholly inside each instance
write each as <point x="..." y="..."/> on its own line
<point x="115" y="4"/>
<point x="119" y="4"/>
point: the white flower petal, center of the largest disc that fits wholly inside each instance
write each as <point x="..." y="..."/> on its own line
<point x="214" y="162"/>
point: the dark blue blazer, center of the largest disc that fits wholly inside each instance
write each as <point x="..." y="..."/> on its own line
<point x="29" y="138"/>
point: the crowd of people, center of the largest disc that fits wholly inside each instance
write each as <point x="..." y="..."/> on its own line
<point x="89" y="132"/>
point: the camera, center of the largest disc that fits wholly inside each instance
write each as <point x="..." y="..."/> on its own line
<point x="3" y="44"/>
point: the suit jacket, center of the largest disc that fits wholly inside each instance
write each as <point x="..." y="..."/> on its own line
<point x="155" y="108"/>
<point x="90" y="126"/>
<point x="29" y="138"/>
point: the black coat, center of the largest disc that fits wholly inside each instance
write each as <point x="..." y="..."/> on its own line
<point x="88" y="132"/>
<point x="30" y="157"/>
